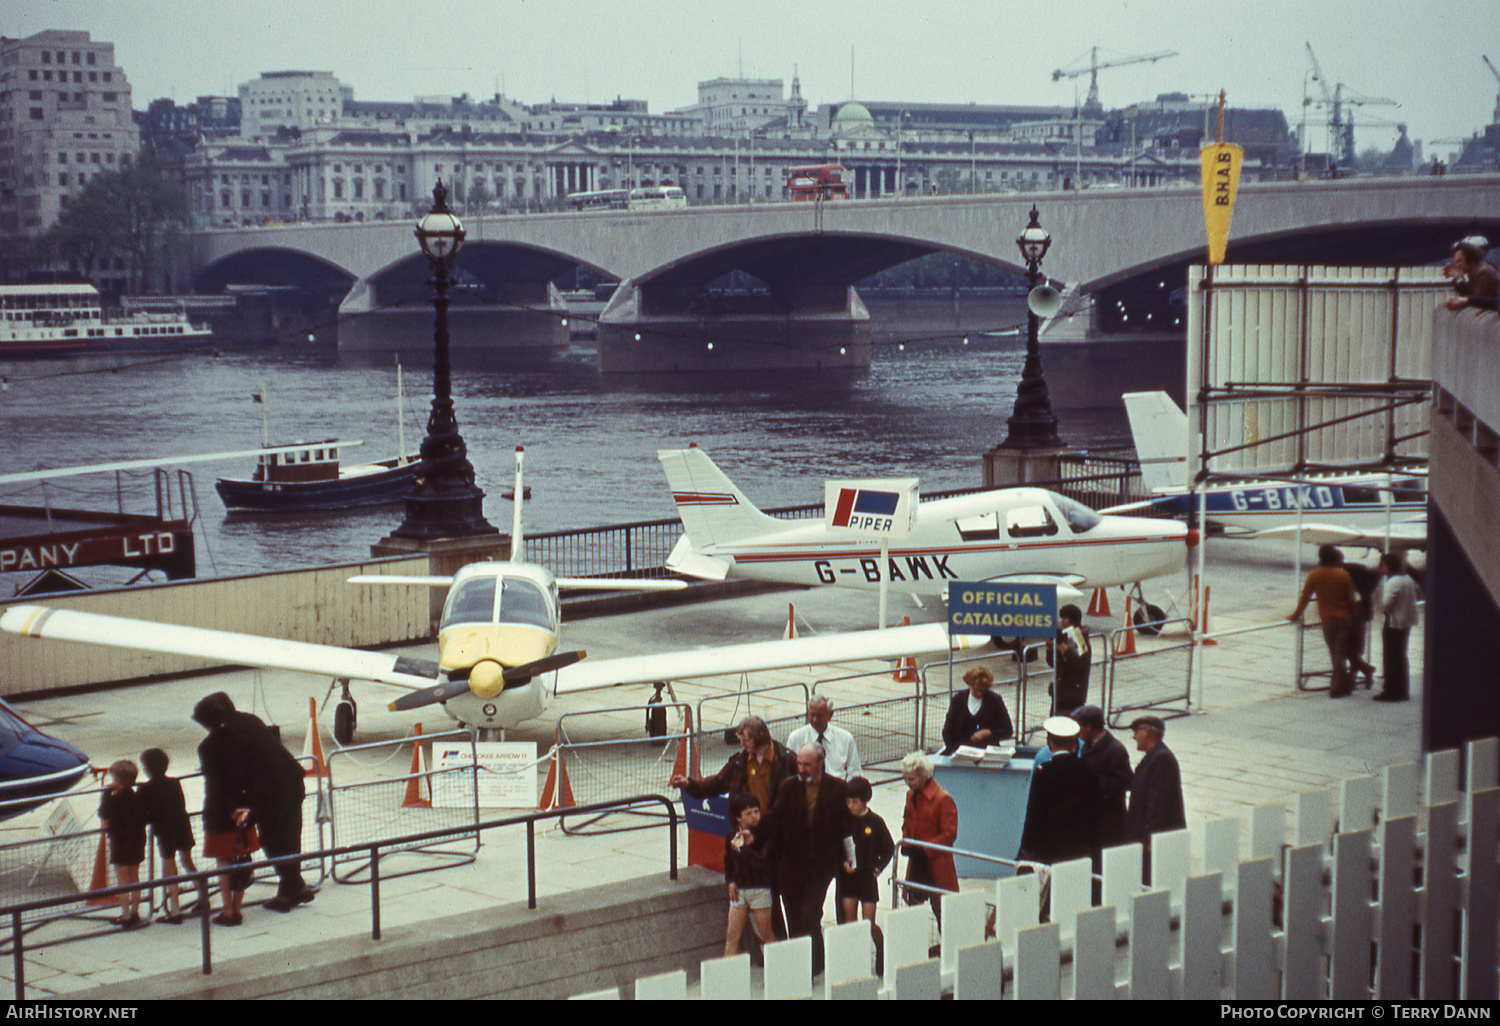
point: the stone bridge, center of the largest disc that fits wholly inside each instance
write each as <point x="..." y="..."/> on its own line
<point x="1130" y="245"/>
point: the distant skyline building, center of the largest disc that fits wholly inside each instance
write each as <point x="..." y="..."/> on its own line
<point x="65" y="116"/>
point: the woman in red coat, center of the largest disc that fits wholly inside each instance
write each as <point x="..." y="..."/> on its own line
<point x="931" y="815"/>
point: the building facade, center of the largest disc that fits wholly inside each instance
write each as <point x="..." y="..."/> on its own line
<point x="65" y="117"/>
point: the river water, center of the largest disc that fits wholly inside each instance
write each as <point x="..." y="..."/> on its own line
<point x="927" y="411"/>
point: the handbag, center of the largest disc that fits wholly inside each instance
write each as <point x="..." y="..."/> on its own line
<point x="240" y="877"/>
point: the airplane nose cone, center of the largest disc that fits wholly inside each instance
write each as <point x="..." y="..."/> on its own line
<point x="1192" y="537"/>
<point x="487" y="679"/>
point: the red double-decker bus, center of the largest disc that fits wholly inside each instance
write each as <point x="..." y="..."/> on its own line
<point x="821" y="181"/>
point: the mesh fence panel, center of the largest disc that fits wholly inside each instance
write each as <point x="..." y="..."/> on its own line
<point x="1158" y="681"/>
<point x="362" y="811"/>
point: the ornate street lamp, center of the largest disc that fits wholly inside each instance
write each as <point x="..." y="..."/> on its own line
<point x="1032" y="423"/>
<point x="445" y="503"/>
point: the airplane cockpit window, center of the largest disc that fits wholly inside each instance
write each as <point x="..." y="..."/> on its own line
<point x="1359" y="495"/>
<point x="1029" y="522"/>
<point x="1079" y="517"/>
<point x="984" y="527"/>
<point x="473" y="601"/>
<point x="523" y="602"/>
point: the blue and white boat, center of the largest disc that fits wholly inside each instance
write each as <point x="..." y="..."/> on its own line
<point x="309" y="477"/>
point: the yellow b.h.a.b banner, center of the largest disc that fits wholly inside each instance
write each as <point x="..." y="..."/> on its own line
<point x="1221" y="181"/>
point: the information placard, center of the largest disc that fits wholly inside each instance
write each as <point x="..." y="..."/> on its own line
<point x="507" y="775"/>
<point x="1003" y="610"/>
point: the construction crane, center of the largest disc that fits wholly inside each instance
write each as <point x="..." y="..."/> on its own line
<point x="1341" y="127"/>
<point x="1496" y="72"/>
<point x="1092" y="103"/>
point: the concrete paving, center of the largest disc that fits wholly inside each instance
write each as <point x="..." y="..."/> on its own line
<point x="1251" y="738"/>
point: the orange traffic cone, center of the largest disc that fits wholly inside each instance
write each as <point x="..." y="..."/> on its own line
<point x="557" y="793"/>
<point x="313" y="746"/>
<point x="1126" y="645"/>
<point x="418" y="784"/>
<point x="679" y="764"/>
<point x="1099" y="603"/>
<point x="100" y="879"/>
<point x="791" y="625"/>
<point x="906" y="673"/>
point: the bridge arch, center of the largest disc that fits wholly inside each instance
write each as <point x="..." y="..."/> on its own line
<point x="789" y="260"/>
<point x="274" y="266"/>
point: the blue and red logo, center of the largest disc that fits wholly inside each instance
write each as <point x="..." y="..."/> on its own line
<point x="862" y="502"/>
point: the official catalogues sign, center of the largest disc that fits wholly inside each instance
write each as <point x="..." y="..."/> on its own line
<point x="507" y="775"/>
<point x="1003" y="610"/>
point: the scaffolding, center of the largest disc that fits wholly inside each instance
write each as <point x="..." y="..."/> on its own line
<point x="1299" y="373"/>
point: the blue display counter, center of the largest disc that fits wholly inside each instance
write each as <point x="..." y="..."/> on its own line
<point x="991" y="804"/>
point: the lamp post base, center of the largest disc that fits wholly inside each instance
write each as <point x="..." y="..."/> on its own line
<point x="1009" y="466"/>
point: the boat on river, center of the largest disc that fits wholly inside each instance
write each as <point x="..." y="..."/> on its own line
<point x="67" y="319"/>
<point x="306" y="477"/>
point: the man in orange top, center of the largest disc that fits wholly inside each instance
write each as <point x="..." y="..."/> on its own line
<point x="1337" y="598"/>
<point x="931" y="815"/>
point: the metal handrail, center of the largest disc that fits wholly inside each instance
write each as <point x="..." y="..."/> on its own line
<point x="201" y="878"/>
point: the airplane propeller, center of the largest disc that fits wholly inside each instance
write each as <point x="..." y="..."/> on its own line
<point x="454" y="687"/>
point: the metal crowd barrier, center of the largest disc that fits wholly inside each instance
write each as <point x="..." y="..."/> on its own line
<point x="371" y="852"/>
<point x="599" y="771"/>
<point x="39" y="868"/>
<point x="429" y="799"/>
<point x="1146" y="684"/>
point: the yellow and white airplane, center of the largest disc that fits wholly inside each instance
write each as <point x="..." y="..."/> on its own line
<point x="1012" y="535"/>
<point x="499" y="661"/>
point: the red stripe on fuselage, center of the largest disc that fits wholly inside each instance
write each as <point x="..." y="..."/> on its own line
<point x="777" y="557"/>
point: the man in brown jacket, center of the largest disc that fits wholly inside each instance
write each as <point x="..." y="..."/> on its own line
<point x="808" y="822"/>
<point x="1337" y="599"/>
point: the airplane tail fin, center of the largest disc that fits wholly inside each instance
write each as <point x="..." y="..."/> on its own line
<point x="712" y="509"/>
<point x="1160" y="431"/>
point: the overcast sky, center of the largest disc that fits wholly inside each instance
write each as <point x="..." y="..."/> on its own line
<point x="1422" y="54"/>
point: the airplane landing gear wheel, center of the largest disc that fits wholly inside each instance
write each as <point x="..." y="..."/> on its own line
<point x="1148" y="621"/>
<point x="345" y="718"/>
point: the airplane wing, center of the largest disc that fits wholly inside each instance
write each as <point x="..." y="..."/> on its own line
<point x="1067" y="584"/>
<point x="219" y="646"/>
<point x="1406" y="533"/>
<point x="892" y="643"/>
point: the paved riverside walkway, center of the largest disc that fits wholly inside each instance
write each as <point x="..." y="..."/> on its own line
<point x="1252" y="739"/>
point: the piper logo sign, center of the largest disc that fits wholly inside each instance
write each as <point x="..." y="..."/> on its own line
<point x="871" y="507"/>
<point x="1003" y="610"/>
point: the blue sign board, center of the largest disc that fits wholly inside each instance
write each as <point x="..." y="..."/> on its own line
<point x="710" y="815"/>
<point x="1003" y="610"/>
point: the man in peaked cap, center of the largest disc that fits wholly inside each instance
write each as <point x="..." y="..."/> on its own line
<point x="1156" y="792"/>
<point x="1065" y="808"/>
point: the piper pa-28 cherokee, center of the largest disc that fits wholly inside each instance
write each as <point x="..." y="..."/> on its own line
<point x="498" y="645"/>
<point x="1374" y="510"/>
<point x="1012" y="535"/>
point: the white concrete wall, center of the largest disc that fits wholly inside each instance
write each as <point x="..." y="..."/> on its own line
<point x="316" y="605"/>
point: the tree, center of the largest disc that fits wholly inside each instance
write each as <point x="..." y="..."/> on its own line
<point x="136" y="212"/>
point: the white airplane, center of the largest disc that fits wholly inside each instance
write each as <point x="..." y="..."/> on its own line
<point x="1017" y="535"/>
<point x="1374" y="510"/>
<point x="499" y="662"/>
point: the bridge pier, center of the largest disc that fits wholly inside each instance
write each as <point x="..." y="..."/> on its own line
<point x="528" y="317"/>
<point x="654" y="330"/>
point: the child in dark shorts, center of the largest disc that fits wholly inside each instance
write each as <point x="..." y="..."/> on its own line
<point x="166" y="812"/>
<point x="747" y="871"/>
<point x="857" y="888"/>
<point x="125" y="826"/>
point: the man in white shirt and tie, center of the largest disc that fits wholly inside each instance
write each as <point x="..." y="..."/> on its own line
<point x="841" y="755"/>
